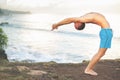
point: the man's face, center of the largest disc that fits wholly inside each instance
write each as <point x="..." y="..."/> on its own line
<point x="77" y="25"/>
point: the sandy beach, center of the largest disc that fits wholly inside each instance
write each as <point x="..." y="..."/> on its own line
<point x="107" y="70"/>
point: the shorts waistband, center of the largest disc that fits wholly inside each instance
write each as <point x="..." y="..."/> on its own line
<point x="106" y="28"/>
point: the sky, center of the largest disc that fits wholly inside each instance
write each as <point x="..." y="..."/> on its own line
<point x="62" y="5"/>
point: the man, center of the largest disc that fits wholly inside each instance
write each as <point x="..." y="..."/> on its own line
<point x="105" y="34"/>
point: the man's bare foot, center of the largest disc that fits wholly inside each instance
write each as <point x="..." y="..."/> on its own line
<point x="91" y="72"/>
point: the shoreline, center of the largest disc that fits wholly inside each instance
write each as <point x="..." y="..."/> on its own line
<point x="32" y="61"/>
<point x="108" y="69"/>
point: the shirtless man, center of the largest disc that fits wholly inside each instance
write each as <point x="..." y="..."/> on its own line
<point x="105" y="34"/>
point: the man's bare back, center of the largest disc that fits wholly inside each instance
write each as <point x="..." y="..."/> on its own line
<point x="95" y="18"/>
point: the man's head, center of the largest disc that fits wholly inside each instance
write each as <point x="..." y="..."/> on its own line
<point x="79" y="26"/>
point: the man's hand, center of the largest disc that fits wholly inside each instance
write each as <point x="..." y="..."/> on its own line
<point x="54" y="26"/>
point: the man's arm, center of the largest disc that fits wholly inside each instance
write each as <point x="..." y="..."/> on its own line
<point x="83" y="19"/>
<point x="63" y="22"/>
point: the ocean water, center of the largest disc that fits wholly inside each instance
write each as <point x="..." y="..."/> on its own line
<point x="31" y="39"/>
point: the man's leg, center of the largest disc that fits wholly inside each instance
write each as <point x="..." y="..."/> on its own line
<point x="95" y="59"/>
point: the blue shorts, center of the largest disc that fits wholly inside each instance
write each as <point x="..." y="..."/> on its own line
<point x="105" y="37"/>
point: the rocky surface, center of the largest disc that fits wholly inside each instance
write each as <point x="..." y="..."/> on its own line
<point x="107" y="70"/>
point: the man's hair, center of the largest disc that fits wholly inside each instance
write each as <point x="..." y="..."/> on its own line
<point x="81" y="27"/>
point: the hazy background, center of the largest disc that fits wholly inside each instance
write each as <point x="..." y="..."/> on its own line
<point x="62" y="6"/>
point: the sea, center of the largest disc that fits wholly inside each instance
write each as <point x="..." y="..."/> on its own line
<point x="30" y="38"/>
